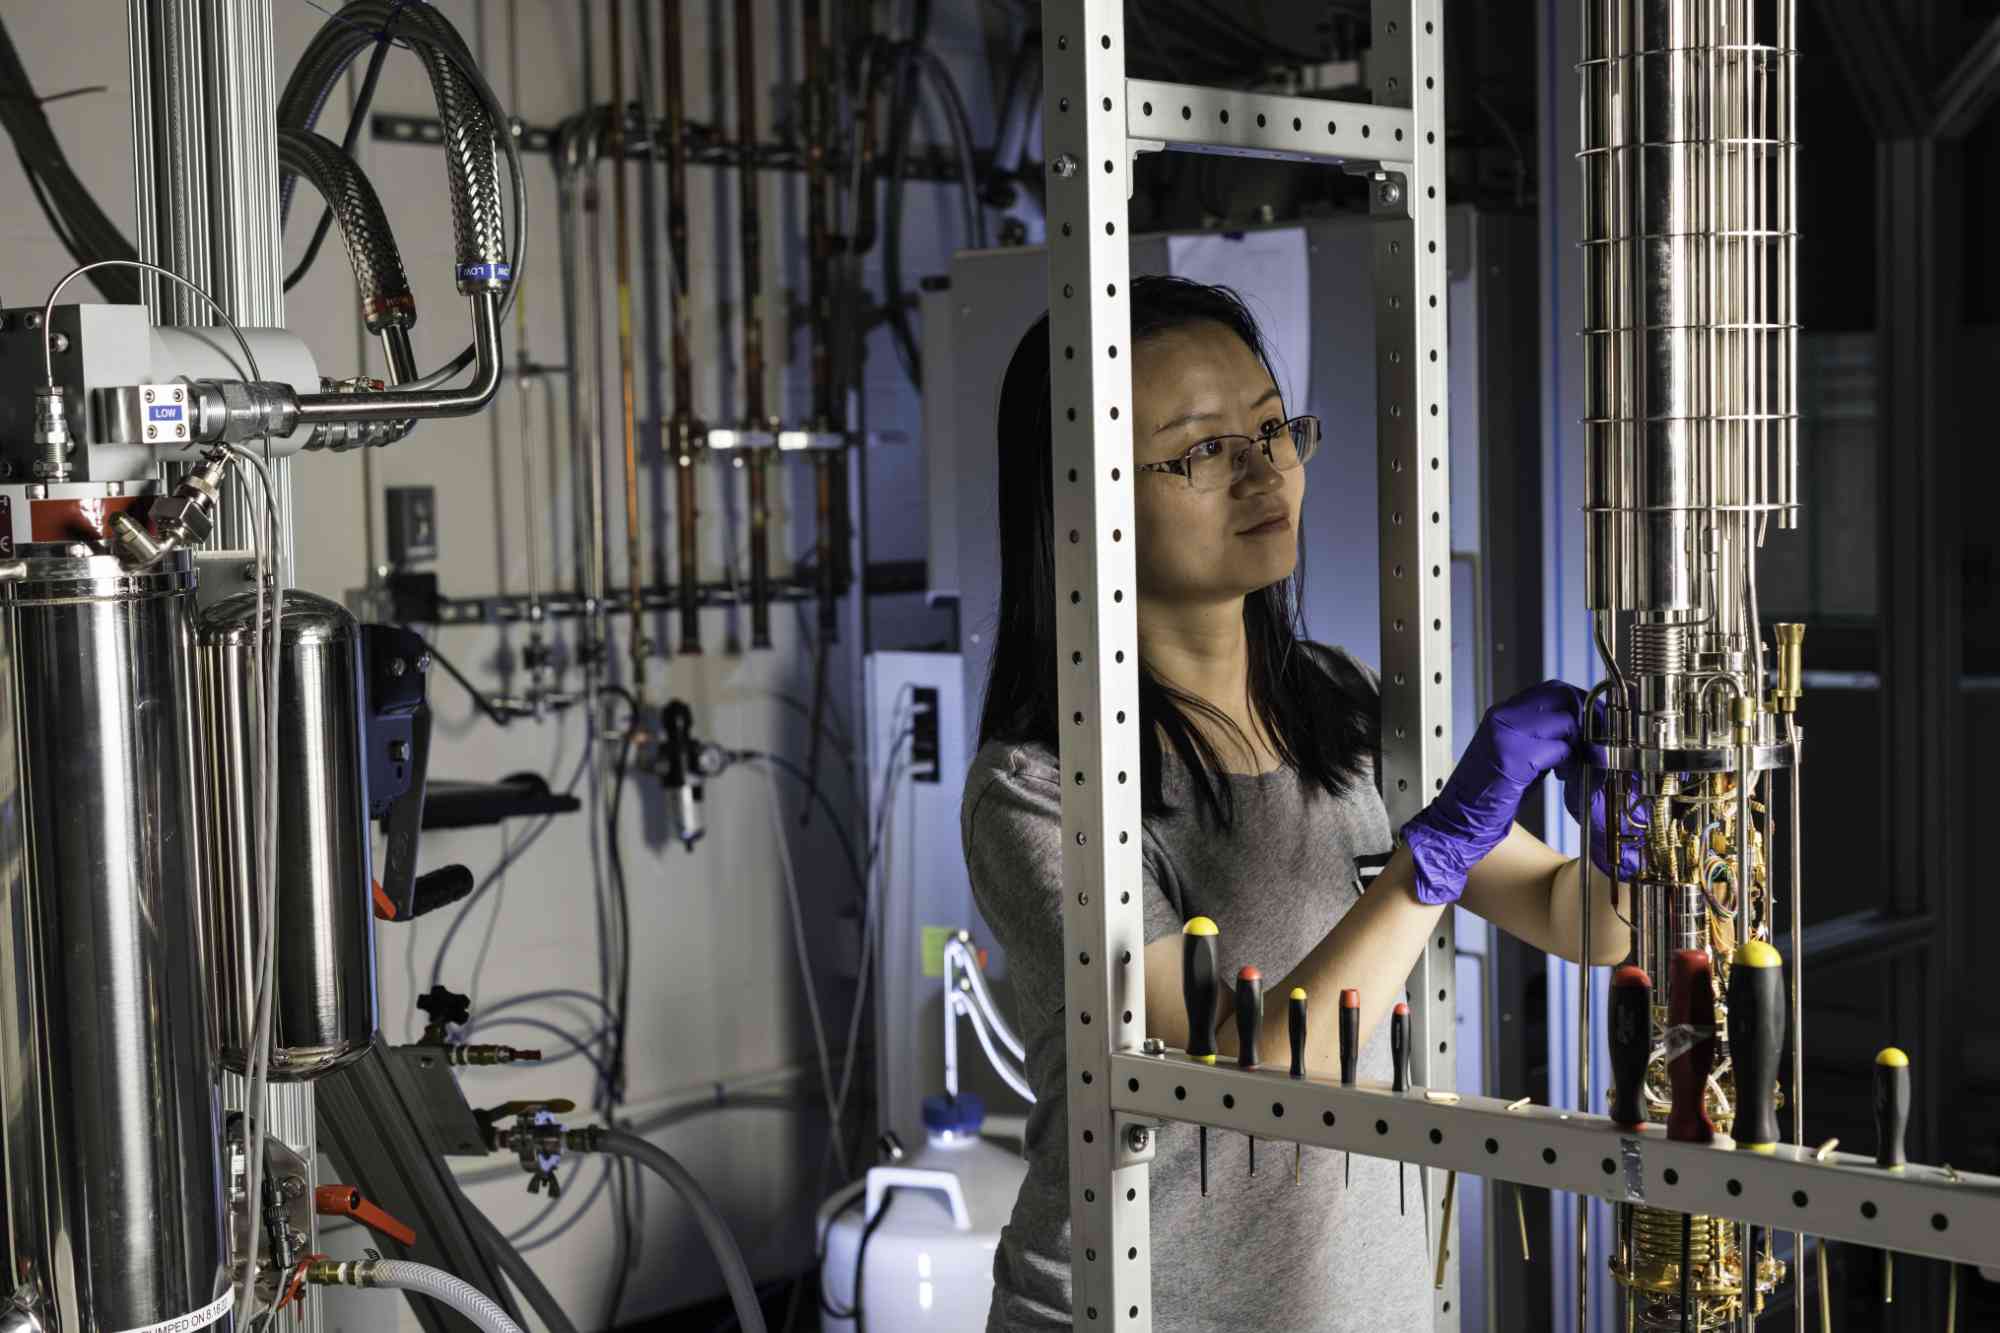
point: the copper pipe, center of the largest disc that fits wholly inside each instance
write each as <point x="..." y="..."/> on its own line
<point x="635" y="570"/>
<point x="687" y="513"/>
<point x="818" y="238"/>
<point x="819" y="251"/>
<point x="755" y="415"/>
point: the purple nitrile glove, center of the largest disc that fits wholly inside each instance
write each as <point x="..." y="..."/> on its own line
<point x="1637" y="815"/>
<point x="1517" y="742"/>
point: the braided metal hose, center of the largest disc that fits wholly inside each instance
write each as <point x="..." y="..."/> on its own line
<point x="472" y="164"/>
<point x="386" y="301"/>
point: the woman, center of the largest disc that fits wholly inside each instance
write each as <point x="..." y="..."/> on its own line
<point x="1257" y="781"/>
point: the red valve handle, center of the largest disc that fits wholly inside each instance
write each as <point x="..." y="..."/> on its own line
<point x="346" y="1201"/>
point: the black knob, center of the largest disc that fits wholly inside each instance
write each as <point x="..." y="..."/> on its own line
<point x="445" y="1006"/>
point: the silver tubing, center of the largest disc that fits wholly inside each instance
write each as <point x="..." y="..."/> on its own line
<point x="1798" y="1007"/>
<point x="1584" y="1092"/>
<point x="419" y="404"/>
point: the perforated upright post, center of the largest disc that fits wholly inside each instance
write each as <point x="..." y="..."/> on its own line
<point x="1094" y="120"/>
<point x="1083" y="47"/>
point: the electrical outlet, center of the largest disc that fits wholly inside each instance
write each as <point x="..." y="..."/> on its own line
<point x="925" y="757"/>
<point x="413" y="533"/>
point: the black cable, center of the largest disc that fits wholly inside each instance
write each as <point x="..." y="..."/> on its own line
<point x="55" y="219"/>
<point x="622" y="1006"/>
<point x="945" y="88"/>
<point x="356" y="120"/>
<point x="826" y="1306"/>
<point x="86" y="232"/>
<point x="484" y="704"/>
<point x="792" y="770"/>
<point x="902" y="101"/>
<point x="861" y="1253"/>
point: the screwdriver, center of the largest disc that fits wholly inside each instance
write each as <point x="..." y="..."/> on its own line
<point x="1892" y="1118"/>
<point x="1691" y="1057"/>
<point x="1249" y="1021"/>
<point x="1198" y="986"/>
<point x="1350" y="1044"/>
<point x="1399" y="1054"/>
<point x="1296" y="1024"/>
<point x="1756" y="1041"/>
<point x="1630" y="1022"/>
<point x="1690" y="1047"/>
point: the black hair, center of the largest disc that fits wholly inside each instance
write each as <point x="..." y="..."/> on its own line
<point x="1322" y="714"/>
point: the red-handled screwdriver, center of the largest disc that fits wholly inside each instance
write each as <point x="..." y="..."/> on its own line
<point x="1350" y="1049"/>
<point x="1691" y="1044"/>
<point x="1297" y="1027"/>
<point x="1631" y="1023"/>
<point x="1249" y="1024"/>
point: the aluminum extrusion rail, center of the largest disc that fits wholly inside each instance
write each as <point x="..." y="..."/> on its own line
<point x="1925" y="1210"/>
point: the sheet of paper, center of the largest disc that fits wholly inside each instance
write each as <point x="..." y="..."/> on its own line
<point x="1268" y="269"/>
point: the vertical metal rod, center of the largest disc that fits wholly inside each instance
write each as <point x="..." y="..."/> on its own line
<point x="687" y="490"/>
<point x="1798" y="1014"/>
<point x="651" y="271"/>
<point x="756" y="416"/>
<point x="635" y="571"/>
<point x="523" y="359"/>
<point x="819" y="255"/>
<point x="600" y="537"/>
<point x="1583" y="1092"/>
<point x="1749" y="1253"/>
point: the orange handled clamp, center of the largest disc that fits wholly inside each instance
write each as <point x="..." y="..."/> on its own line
<point x="346" y="1201"/>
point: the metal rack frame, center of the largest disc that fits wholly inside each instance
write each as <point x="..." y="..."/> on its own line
<point x="1095" y="121"/>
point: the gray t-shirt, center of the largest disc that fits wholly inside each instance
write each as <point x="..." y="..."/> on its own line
<point x="1258" y="1252"/>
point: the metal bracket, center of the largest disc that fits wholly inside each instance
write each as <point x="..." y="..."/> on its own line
<point x="1138" y="1140"/>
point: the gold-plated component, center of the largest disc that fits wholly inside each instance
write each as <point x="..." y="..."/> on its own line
<point x="1651" y="1270"/>
<point x="1444" y="1230"/>
<point x="1743" y="711"/>
<point x="1791" y="666"/>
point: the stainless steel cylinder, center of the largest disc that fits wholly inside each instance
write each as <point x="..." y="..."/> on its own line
<point x="323" y="1010"/>
<point x="108" y="1081"/>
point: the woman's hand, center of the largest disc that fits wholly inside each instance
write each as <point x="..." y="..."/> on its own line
<point x="1637" y="818"/>
<point x="1518" y="741"/>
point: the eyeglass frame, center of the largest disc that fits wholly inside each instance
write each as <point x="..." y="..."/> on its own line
<point x="1182" y="467"/>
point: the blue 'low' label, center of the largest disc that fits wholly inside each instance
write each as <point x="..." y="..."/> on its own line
<point x="164" y="412"/>
<point x="503" y="272"/>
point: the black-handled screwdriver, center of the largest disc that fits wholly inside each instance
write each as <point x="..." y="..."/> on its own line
<point x="1200" y="988"/>
<point x="1892" y="1120"/>
<point x="1630" y="1020"/>
<point x="1350" y="1049"/>
<point x="1296" y="1025"/>
<point x="1399" y="1053"/>
<point x="1249" y="1024"/>
<point x="1756" y="1042"/>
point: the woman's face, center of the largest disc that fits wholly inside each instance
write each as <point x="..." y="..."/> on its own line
<point x="1192" y="384"/>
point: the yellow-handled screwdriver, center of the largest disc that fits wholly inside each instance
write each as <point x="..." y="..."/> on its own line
<point x="1200" y="988"/>
<point x="1892" y="1120"/>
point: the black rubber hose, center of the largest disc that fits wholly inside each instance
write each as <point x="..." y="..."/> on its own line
<point x="386" y="301"/>
<point x="518" y="1270"/>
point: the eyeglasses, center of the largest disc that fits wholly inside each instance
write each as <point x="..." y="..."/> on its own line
<point x="1224" y="460"/>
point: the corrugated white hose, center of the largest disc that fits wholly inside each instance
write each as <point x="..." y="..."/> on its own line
<point x="735" y="1273"/>
<point x="460" y="1295"/>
